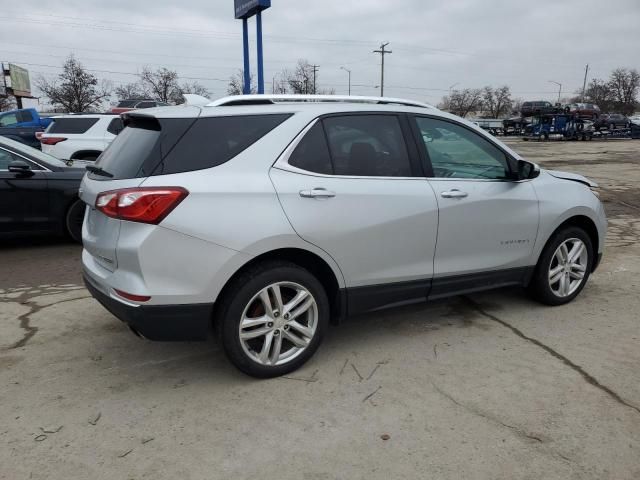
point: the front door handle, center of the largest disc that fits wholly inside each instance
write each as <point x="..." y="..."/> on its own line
<point x="317" y="193"/>
<point x="454" y="193"/>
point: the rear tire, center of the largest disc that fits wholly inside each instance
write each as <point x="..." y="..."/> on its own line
<point x="74" y="219"/>
<point x="268" y="340"/>
<point x="555" y="280"/>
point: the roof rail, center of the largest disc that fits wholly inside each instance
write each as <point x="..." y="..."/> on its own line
<point x="237" y="100"/>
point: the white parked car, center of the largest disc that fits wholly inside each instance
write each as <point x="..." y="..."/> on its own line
<point x="80" y="137"/>
<point x="266" y="217"/>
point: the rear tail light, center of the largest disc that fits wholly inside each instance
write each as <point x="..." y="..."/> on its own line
<point x="143" y="204"/>
<point x="39" y="135"/>
<point x="52" y="140"/>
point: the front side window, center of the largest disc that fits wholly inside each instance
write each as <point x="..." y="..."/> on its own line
<point x="458" y="152"/>
<point x="6" y="158"/>
<point x="367" y="145"/>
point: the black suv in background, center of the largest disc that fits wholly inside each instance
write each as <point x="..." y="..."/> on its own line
<point x="612" y="121"/>
<point x="541" y="107"/>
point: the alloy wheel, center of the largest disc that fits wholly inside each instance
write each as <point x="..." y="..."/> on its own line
<point x="278" y="323"/>
<point x="568" y="267"/>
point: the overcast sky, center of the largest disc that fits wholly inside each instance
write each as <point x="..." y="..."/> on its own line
<point x="435" y="44"/>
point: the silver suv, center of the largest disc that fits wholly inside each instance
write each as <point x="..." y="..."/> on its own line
<point x="263" y="218"/>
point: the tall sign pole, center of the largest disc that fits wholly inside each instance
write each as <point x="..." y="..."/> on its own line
<point x="246" y="88"/>
<point x="260" y="60"/>
<point x="245" y="9"/>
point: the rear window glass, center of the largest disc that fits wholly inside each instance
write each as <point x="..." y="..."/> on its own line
<point x="9" y="119"/>
<point x="149" y="146"/>
<point x="71" y="125"/>
<point x="115" y="126"/>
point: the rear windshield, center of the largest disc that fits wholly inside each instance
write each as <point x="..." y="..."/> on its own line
<point x="71" y="125"/>
<point x="150" y="146"/>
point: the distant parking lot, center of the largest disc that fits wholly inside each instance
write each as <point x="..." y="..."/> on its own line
<point x="491" y="385"/>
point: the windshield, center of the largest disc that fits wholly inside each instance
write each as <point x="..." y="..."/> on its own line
<point x="37" y="155"/>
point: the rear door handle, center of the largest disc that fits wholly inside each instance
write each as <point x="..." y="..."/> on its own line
<point x="317" y="193"/>
<point x="454" y="193"/>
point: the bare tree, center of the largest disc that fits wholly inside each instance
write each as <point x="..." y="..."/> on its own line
<point x="599" y="92"/>
<point x="7" y="103"/>
<point x="516" y="106"/>
<point x="624" y="85"/>
<point x="131" y="90"/>
<point x="463" y="102"/>
<point x="75" y="89"/>
<point x="162" y="83"/>
<point x="236" y="84"/>
<point x="301" y="80"/>
<point x="194" y="88"/>
<point x="497" y="102"/>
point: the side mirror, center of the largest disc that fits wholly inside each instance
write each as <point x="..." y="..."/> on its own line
<point x="19" y="166"/>
<point x="527" y="170"/>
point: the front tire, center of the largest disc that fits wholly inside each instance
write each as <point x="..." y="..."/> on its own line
<point x="563" y="268"/>
<point x="272" y="319"/>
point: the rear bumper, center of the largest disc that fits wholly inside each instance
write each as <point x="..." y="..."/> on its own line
<point x="158" y="322"/>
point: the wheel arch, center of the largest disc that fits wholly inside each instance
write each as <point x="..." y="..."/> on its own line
<point x="585" y="223"/>
<point x="312" y="262"/>
<point x="83" y="153"/>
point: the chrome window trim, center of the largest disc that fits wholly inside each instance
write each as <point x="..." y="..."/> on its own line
<point x="282" y="163"/>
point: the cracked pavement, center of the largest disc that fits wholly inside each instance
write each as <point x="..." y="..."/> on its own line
<point x="486" y="386"/>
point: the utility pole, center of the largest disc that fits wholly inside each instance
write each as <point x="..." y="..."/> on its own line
<point x="315" y="69"/>
<point x="584" y="84"/>
<point x="349" y="72"/>
<point x="382" y="53"/>
<point x="559" y="88"/>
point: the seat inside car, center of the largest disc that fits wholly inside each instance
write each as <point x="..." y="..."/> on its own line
<point x="361" y="157"/>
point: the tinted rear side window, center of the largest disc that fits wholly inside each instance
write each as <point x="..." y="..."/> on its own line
<point x="213" y="141"/>
<point x="367" y="145"/>
<point x="149" y="146"/>
<point x="312" y="153"/>
<point x="72" y="125"/>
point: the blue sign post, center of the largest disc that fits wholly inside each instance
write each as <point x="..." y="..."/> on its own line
<point x="244" y="9"/>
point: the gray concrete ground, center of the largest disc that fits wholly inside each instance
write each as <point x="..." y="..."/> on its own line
<point x="490" y="386"/>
